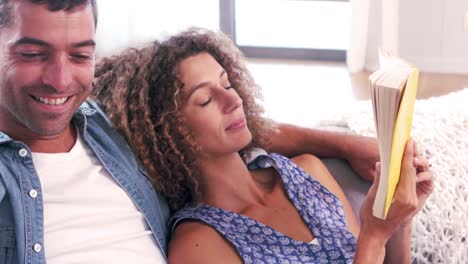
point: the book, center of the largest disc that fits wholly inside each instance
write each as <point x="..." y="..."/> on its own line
<point x="393" y="94"/>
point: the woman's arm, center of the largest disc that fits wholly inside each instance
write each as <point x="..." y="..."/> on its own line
<point x="361" y="152"/>
<point x="398" y="247"/>
<point x="370" y="250"/>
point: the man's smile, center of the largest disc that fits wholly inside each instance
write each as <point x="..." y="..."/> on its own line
<point x="51" y="101"/>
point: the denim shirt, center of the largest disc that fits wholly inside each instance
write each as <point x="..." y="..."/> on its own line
<point x="21" y="205"/>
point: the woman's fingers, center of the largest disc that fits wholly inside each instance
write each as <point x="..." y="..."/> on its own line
<point x="424" y="176"/>
<point x="406" y="200"/>
<point x="373" y="189"/>
<point x="421" y="163"/>
<point x="407" y="180"/>
<point x="425" y="183"/>
<point x="415" y="147"/>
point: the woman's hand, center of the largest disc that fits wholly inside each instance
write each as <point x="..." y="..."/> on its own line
<point x="414" y="187"/>
<point x="398" y="248"/>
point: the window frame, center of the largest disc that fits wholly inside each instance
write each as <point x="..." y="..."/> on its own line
<point x="227" y="24"/>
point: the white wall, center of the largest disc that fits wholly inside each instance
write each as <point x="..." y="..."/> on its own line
<point x="130" y="23"/>
<point x="374" y="39"/>
<point x="431" y="34"/>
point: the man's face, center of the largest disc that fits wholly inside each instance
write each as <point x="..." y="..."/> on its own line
<point x="46" y="68"/>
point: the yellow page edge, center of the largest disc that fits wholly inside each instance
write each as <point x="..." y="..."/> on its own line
<point x="401" y="134"/>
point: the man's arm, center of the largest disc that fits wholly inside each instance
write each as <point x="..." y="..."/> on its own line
<point x="361" y="152"/>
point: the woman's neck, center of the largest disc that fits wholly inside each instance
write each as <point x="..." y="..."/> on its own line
<point x="227" y="183"/>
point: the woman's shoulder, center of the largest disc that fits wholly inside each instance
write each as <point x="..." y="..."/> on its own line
<point x="200" y="243"/>
<point x="192" y="230"/>
<point x="307" y="162"/>
<point x="302" y="165"/>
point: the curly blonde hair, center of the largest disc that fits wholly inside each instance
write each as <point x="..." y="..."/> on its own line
<point x="141" y="90"/>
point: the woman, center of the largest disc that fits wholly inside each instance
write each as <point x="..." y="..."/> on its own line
<point x="190" y="112"/>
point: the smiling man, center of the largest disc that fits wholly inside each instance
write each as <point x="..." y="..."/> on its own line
<point x="70" y="189"/>
<point x="46" y="74"/>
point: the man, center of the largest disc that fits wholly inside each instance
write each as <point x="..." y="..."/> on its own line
<point x="70" y="188"/>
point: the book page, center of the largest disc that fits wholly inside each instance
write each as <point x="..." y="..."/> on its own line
<point x="390" y="89"/>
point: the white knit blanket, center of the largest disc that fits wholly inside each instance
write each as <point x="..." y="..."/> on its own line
<point x="440" y="127"/>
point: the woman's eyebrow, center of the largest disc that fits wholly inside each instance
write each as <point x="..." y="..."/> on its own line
<point x="202" y="84"/>
<point x="222" y="73"/>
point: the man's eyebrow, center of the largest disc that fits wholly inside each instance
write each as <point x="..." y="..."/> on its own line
<point x="200" y="85"/>
<point x="31" y="41"/>
<point x="38" y="42"/>
<point x="84" y="44"/>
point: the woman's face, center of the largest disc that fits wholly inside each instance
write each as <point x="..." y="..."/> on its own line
<point x="213" y="108"/>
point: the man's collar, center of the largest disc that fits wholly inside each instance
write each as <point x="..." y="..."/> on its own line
<point x="4" y="137"/>
<point x="86" y="109"/>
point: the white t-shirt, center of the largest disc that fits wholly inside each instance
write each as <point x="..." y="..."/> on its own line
<point x="88" y="217"/>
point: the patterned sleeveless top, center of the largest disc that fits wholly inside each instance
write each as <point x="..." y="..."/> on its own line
<point x="258" y="243"/>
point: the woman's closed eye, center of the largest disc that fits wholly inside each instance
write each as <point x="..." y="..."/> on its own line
<point x="206" y="102"/>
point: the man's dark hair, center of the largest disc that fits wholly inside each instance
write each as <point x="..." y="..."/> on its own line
<point x="6" y="7"/>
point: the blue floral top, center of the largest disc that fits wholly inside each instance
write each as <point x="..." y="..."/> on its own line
<point x="258" y="243"/>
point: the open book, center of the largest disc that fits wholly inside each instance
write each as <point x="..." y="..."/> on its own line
<point x="393" y="92"/>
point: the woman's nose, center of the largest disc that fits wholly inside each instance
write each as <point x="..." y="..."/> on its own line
<point x="232" y="100"/>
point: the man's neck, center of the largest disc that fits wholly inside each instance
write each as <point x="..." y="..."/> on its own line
<point x="53" y="144"/>
<point x="58" y="143"/>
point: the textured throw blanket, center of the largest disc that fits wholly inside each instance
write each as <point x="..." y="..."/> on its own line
<point x="440" y="128"/>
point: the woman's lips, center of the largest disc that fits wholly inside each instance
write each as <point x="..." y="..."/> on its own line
<point x="239" y="123"/>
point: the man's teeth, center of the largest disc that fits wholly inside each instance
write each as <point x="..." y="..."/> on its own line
<point x="56" y="101"/>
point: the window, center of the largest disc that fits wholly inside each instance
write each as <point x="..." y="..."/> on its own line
<point x="295" y="29"/>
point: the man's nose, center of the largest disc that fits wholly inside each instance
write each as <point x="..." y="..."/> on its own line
<point x="58" y="73"/>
